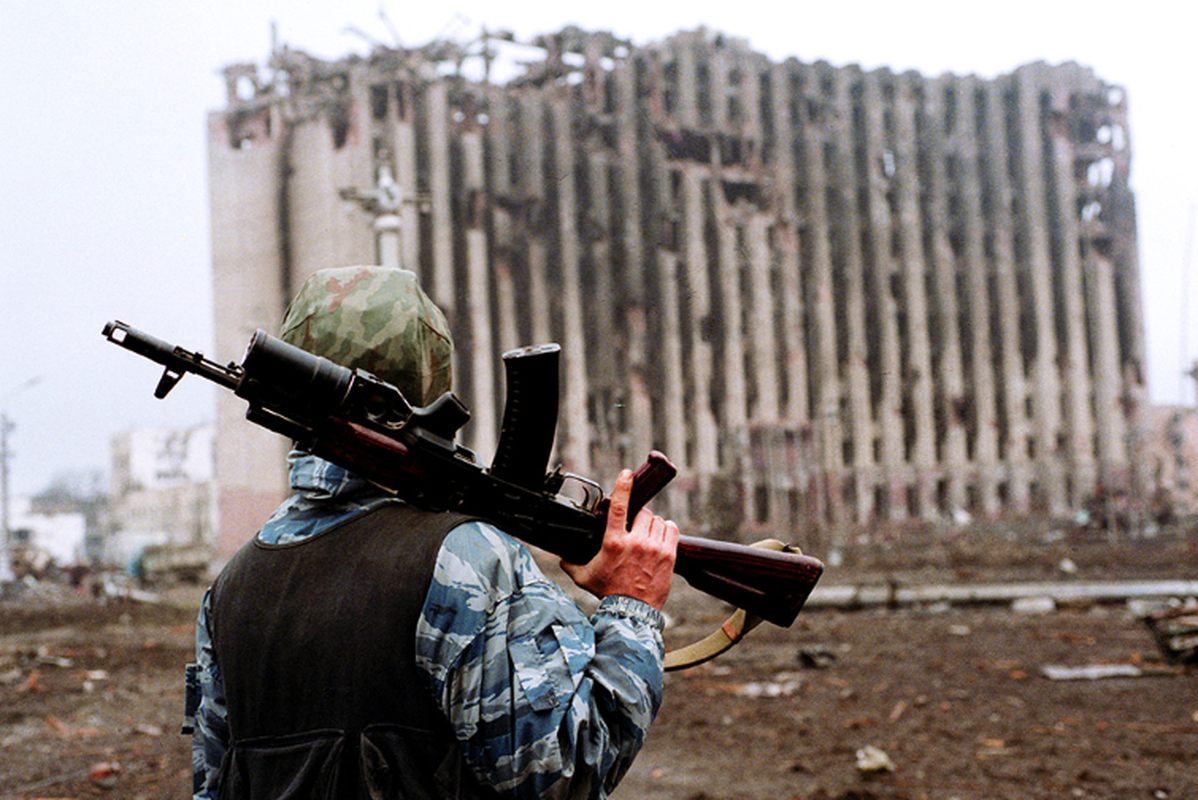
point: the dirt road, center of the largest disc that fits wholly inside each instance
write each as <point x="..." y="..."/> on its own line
<point x="954" y="699"/>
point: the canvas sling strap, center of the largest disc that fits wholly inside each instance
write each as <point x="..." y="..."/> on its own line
<point x="727" y="635"/>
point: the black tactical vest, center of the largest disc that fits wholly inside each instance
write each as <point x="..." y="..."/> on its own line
<point x="315" y="642"/>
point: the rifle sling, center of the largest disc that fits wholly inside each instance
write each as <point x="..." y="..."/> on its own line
<point x="722" y="638"/>
<point x="715" y="643"/>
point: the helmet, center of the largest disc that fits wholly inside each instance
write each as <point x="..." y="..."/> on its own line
<point x="376" y="319"/>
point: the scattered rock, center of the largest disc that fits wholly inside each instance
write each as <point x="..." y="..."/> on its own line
<point x="104" y="774"/>
<point x="816" y="657"/>
<point x="1034" y="605"/>
<point x="1176" y="632"/>
<point x="873" y="761"/>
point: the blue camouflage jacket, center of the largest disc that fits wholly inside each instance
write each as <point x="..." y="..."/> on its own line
<point x="544" y="701"/>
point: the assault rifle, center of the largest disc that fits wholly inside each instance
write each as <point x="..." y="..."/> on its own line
<point x="364" y="424"/>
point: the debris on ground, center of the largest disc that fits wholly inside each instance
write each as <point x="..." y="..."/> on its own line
<point x="951" y="694"/>
<point x="783" y="685"/>
<point x="105" y="774"/>
<point x="1034" y="605"/>
<point x="873" y="761"/>
<point x="1091" y="672"/>
<point x="816" y="657"/>
<point x="1176" y="632"/>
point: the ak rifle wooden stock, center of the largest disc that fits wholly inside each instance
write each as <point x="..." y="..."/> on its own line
<point x="365" y="425"/>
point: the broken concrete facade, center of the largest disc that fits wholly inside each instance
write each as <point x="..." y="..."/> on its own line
<point x="833" y="296"/>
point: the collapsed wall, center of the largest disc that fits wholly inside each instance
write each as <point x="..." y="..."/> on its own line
<point x="832" y="296"/>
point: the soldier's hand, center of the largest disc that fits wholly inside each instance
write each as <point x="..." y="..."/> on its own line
<point x="638" y="562"/>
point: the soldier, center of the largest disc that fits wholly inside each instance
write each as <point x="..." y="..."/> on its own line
<point x="361" y="647"/>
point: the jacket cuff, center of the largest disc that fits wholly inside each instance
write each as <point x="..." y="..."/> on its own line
<point x="631" y="608"/>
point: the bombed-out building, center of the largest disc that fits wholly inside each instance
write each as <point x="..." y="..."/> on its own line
<point x="832" y="296"/>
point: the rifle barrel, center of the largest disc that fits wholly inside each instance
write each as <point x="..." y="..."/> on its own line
<point x="176" y="360"/>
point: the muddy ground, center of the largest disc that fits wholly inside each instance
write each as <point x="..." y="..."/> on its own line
<point x="954" y="698"/>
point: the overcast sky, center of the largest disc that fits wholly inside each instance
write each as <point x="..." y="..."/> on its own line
<point x="103" y="185"/>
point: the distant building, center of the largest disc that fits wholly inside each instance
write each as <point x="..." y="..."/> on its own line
<point x="38" y="539"/>
<point x="162" y="490"/>
<point x="834" y="297"/>
<point x="1171" y="456"/>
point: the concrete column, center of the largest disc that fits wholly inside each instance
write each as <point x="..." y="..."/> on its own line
<point x="731" y="312"/>
<point x="608" y="356"/>
<point x="976" y="321"/>
<point x="506" y="292"/>
<point x="694" y="282"/>
<point x="719" y="61"/>
<point x="727" y="306"/>
<point x="687" y="96"/>
<point x="1012" y="394"/>
<point x="945" y="310"/>
<point x="917" y="361"/>
<point x="534" y="221"/>
<point x="846" y="225"/>
<point x="1110" y="276"/>
<point x="501" y="133"/>
<point x="1112" y="422"/>
<point x="322" y="229"/>
<point x="482" y="358"/>
<point x="706" y="459"/>
<point x="639" y="405"/>
<point x="881" y="162"/>
<point x="576" y="449"/>
<point x="1045" y="377"/>
<point x="403" y="141"/>
<point x="1120" y="217"/>
<point x="826" y="368"/>
<point x="663" y="279"/>
<point x="728" y="300"/>
<point x="751" y="67"/>
<point x="641" y="324"/>
<point x="1075" y="372"/>
<point x="606" y="363"/>
<point x="673" y="389"/>
<point x="694" y="277"/>
<point x="785" y="238"/>
<point x="439" y="283"/>
<point x="762" y="317"/>
<point x="595" y="221"/>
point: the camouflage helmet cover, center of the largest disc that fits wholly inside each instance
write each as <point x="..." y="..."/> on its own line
<point x="377" y="319"/>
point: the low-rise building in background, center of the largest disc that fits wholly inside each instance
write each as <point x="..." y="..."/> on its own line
<point x="1171" y="458"/>
<point x="161" y="502"/>
<point x="42" y="540"/>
